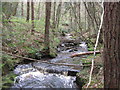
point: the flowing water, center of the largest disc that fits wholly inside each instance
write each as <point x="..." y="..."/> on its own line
<point x="44" y="75"/>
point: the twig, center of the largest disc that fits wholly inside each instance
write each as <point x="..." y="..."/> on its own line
<point x="96" y="45"/>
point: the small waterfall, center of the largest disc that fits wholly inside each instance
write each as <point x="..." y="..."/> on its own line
<point x="29" y="77"/>
<point x="44" y="75"/>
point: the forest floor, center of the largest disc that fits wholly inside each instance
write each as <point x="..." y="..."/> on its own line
<point x="97" y="77"/>
<point x="18" y="40"/>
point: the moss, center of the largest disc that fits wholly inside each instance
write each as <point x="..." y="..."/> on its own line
<point x="80" y="81"/>
<point x="76" y="62"/>
<point x="8" y="80"/>
<point x="8" y="63"/>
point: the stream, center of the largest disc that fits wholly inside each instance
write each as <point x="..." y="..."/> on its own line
<point x="44" y="75"/>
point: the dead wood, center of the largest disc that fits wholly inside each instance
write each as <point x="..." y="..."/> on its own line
<point x="84" y="53"/>
<point x="31" y="59"/>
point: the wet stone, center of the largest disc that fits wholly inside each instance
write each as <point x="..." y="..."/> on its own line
<point x="54" y="68"/>
<point x="24" y="68"/>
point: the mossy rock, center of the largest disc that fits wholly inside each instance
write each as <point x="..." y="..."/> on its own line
<point x="80" y="81"/>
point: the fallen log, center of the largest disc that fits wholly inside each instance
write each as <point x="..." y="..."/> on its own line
<point x="84" y="53"/>
<point x="31" y="59"/>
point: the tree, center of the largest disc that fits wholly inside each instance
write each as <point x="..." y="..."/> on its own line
<point x="28" y="10"/>
<point x="58" y="15"/>
<point x="22" y="9"/>
<point x="76" y="20"/>
<point x="32" y="16"/>
<point x="47" y="27"/>
<point x="54" y="15"/>
<point x="9" y="9"/>
<point x="112" y="45"/>
<point x="38" y="17"/>
<point x="79" y="18"/>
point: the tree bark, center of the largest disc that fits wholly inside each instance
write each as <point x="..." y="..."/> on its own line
<point x="58" y="14"/>
<point x="22" y="9"/>
<point x="112" y="45"/>
<point x="47" y="27"/>
<point x="15" y="5"/>
<point x="84" y="53"/>
<point x="79" y="15"/>
<point x="28" y="10"/>
<point x="39" y="11"/>
<point x="32" y="16"/>
<point x="54" y="15"/>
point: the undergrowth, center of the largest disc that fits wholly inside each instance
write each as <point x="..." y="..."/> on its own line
<point x="17" y="39"/>
<point x="97" y="77"/>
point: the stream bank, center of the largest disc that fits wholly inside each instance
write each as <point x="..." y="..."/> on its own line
<point x="44" y="75"/>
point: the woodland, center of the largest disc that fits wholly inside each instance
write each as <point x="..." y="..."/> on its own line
<point x="60" y="44"/>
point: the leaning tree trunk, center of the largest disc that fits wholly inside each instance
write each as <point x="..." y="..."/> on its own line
<point x="47" y="27"/>
<point x="112" y="45"/>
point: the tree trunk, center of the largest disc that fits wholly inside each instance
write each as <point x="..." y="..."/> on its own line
<point x="71" y="19"/>
<point x="32" y="16"/>
<point x="76" y="21"/>
<point x="15" y="5"/>
<point x="28" y="10"/>
<point x="58" y="14"/>
<point x="90" y="25"/>
<point x="112" y="45"/>
<point x="39" y="11"/>
<point x="79" y="15"/>
<point x="76" y="18"/>
<point x="22" y="9"/>
<point x="9" y="9"/>
<point x="54" y="15"/>
<point x="47" y="27"/>
<point x="88" y="9"/>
